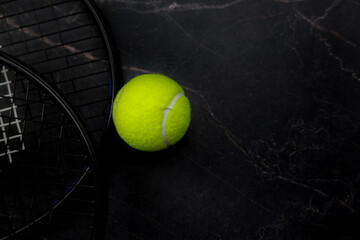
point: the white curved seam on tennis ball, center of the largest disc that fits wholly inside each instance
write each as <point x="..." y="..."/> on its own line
<point x="116" y="102"/>
<point x="166" y="113"/>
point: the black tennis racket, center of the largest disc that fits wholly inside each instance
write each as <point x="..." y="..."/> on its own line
<point x="65" y="41"/>
<point x="49" y="186"/>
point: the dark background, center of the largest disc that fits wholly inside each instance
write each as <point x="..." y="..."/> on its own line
<point x="273" y="147"/>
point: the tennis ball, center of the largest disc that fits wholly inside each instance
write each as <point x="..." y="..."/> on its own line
<point x="151" y="112"/>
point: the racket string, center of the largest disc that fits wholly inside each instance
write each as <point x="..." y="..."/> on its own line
<point x="11" y="117"/>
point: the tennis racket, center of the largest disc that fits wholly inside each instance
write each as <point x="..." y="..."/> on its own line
<point x="66" y="42"/>
<point x="49" y="186"/>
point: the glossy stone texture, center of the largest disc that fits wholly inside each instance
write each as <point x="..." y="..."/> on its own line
<point x="273" y="147"/>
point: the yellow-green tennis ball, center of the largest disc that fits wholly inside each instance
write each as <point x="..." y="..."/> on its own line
<point x="151" y="112"/>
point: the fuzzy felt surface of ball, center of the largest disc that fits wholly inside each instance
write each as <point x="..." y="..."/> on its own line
<point x="151" y="112"/>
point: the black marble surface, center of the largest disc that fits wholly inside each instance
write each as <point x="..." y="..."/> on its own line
<point x="273" y="147"/>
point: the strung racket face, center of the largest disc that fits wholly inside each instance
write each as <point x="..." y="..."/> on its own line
<point x="48" y="186"/>
<point x="66" y="42"/>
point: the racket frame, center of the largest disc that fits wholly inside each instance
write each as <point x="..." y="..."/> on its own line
<point x="40" y="82"/>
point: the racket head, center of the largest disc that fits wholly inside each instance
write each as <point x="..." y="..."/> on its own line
<point x="48" y="162"/>
<point x="67" y="42"/>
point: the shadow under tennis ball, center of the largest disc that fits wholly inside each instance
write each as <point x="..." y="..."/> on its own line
<point x="153" y="158"/>
<point x="115" y="153"/>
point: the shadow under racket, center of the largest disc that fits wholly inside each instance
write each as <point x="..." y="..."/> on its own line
<point x="46" y="161"/>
